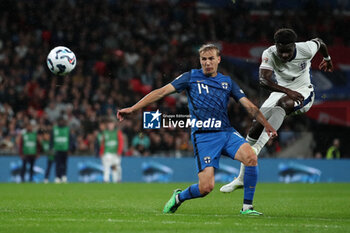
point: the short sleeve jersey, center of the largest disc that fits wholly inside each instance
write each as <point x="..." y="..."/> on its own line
<point x="208" y="99"/>
<point x="295" y="73"/>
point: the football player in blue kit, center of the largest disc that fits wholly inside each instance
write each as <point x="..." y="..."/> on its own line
<point x="212" y="135"/>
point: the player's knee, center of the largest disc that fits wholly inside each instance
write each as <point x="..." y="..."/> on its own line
<point x="206" y="188"/>
<point x="287" y="105"/>
<point x="251" y="159"/>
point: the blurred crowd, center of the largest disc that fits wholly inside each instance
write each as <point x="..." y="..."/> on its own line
<point x="125" y="49"/>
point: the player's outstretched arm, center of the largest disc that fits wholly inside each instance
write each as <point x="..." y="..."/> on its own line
<point x="256" y="113"/>
<point x="326" y="64"/>
<point x="153" y="96"/>
<point x="265" y="79"/>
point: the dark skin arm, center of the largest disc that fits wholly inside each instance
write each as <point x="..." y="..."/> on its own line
<point x="265" y="79"/>
<point x="325" y="65"/>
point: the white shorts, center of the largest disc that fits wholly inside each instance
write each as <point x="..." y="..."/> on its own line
<point x="307" y="92"/>
<point x="110" y="159"/>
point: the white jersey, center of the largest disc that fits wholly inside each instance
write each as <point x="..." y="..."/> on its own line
<point x="295" y="73"/>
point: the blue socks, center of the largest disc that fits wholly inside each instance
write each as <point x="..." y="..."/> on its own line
<point x="190" y="193"/>
<point x="250" y="180"/>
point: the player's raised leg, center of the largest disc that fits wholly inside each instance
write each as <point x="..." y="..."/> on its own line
<point x="285" y="106"/>
<point x="276" y="120"/>
<point x="275" y="117"/>
<point x="204" y="187"/>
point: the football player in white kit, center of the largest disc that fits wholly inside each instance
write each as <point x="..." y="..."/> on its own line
<point x="292" y="94"/>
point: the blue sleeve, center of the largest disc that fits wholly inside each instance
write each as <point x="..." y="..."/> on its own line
<point x="236" y="91"/>
<point x="181" y="82"/>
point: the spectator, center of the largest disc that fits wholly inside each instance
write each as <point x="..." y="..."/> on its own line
<point x="62" y="142"/>
<point x="29" y="146"/>
<point x="52" y="111"/>
<point x="333" y="152"/>
<point x="141" y="143"/>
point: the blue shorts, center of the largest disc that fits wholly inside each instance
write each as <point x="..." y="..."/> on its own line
<point x="209" y="146"/>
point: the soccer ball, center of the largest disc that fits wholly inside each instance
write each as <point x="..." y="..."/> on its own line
<point x="61" y="61"/>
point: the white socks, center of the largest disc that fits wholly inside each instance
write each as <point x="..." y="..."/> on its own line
<point x="276" y="120"/>
<point x="277" y="115"/>
<point x="251" y="142"/>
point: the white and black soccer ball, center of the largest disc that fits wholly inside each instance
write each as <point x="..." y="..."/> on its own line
<point x="61" y="60"/>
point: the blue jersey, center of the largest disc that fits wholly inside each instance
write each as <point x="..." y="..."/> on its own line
<point x="207" y="99"/>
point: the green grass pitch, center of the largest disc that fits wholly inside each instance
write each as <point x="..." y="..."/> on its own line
<point x="137" y="207"/>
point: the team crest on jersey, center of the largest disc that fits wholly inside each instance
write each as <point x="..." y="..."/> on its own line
<point x="207" y="159"/>
<point x="265" y="59"/>
<point x="302" y="65"/>
<point x="224" y="85"/>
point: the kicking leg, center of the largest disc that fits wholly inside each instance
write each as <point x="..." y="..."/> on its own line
<point x="284" y="106"/>
<point x="204" y="187"/>
<point x="275" y="117"/>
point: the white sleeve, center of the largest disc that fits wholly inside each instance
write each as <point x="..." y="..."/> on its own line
<point x="266" y="61"/>
<point x="312" y="47"/>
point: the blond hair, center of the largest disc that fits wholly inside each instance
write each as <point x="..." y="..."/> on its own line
<point x="207" y="47"/>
